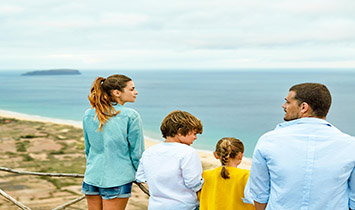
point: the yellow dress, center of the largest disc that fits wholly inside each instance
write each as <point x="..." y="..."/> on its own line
<point x="224" y="194"/>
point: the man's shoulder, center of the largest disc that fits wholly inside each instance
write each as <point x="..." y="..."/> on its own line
<point x="269" y="134"/>
<point x="346" y="137"/>
<point x="285" y="127"/>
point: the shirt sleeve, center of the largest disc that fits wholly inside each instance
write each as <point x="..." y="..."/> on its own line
<point x="352" y="190"/>
<point x="192" y="171"/>
<point x="86" y="140"/>
<point x="247" y="195"/>
<point x="140" y="176"/>
<point x="258" y="187"/>
<point x="135" y="139"/>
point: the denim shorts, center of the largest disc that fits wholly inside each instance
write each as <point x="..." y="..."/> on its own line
<point x="123" y="191"/>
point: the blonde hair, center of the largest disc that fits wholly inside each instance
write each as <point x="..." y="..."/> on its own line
<point x="101" y="97"/>
<point x="180" y="122"/>
<point x="226" y="148"/>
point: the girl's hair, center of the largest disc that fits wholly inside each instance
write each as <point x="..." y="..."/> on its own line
<point x="101" y="97"/>
<point x="226" y="148"/>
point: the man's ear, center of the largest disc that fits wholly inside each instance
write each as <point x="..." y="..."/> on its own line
<point x="304" y="107"/>
<point x="215" y="155"/>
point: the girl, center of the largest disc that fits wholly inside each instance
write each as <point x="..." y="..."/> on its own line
<point x="113" y="143"/>
<point x="224" y="186"/>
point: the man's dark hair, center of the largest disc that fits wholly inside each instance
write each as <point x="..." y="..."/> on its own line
<point x="316" y="95"/>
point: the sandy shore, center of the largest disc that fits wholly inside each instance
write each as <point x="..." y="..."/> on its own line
<point x="207" y="158"/>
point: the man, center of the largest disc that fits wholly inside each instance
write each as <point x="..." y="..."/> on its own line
<point x="305" y="163"/>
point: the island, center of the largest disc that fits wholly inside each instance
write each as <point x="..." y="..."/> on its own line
<point x="52" y="72"/>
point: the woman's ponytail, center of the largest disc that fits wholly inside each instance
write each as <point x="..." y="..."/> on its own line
<point x="101" y="96"/>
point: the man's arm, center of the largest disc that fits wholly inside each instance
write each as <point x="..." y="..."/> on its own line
<point x="351" y="187"/>
<point x="259" y="179"/>
<point x="260" y="206"/>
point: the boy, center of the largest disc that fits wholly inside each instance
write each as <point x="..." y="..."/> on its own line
<point x="172" y="169"/>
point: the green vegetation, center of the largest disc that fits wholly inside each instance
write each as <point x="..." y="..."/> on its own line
<point x="65" y="152"/>
<point x="22" y="146"/>
<point x="27" y="157"/>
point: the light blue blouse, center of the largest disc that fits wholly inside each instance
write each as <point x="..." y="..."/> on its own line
<point x="304" y="164"/>
<point x="112" y="155"/>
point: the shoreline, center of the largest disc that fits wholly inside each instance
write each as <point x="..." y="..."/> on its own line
<point x="207" y="157"/>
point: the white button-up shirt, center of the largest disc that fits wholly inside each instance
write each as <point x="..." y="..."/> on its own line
<point x="173" y="172"/>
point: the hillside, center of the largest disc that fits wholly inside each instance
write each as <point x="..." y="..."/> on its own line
<point x="45" y="147"/>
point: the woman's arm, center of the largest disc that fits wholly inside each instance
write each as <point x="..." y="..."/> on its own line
<point x="86" y="141"/>
<point x="135" y="139"/>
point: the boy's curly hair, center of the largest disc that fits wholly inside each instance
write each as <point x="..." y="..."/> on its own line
<point x="180" y="122"/>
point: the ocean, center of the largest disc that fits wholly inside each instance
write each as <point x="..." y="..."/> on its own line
<point x="243" y="103"/>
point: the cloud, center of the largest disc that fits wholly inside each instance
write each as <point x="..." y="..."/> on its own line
<point x="10" y="10"/>
<point x="177" y="34"/>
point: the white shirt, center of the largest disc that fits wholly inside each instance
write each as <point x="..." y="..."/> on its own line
<point x="173" y="172"/>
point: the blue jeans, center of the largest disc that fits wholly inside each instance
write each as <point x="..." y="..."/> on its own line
<point x="123" y="191"/>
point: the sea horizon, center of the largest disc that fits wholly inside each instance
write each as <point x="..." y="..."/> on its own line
<point x="241" y="104"/>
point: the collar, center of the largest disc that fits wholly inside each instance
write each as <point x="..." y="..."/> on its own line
<point x="304" y="120"/>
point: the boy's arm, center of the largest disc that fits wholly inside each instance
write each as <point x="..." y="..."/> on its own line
<point x="140" y="176"/>
<point x="199" y="192"/>
<point x="192" y="171"/>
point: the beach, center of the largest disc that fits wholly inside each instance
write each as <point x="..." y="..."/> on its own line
<point x="61" y="142"/>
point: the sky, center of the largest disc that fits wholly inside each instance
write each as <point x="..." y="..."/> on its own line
<point x="184" y="34"/>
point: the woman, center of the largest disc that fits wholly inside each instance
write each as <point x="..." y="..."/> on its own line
<point x="113" y="143"/>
